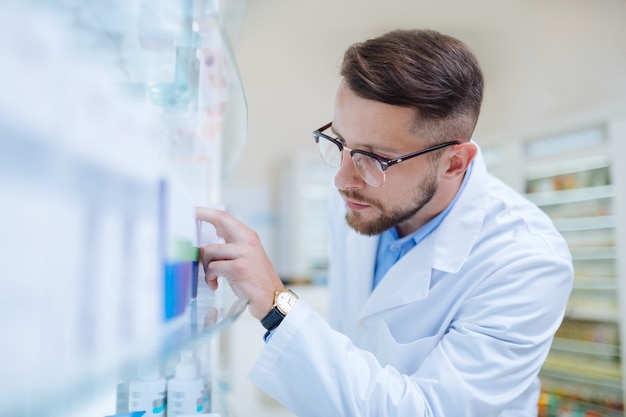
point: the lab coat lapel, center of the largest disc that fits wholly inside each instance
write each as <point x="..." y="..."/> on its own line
<point x="361" y="257"/>
<point x="407" y="281"/>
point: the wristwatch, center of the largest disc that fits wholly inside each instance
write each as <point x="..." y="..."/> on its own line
<point x="283" y="302"/>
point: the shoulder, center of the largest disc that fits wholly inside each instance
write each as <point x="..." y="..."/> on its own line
<point x="520" y="223"/>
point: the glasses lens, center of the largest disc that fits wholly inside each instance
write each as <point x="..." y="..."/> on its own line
<point x="369" y="169"/>
<point x="330" y="152"/>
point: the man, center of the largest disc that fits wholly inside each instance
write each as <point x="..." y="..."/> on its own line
<point x="446" y="286"/>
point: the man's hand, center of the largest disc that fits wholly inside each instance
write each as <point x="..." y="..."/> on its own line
<point x="241" y="259"/>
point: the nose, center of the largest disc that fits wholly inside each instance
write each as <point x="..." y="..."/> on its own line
<point x="347" y="178"/>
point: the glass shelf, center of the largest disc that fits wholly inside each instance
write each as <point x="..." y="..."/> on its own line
<point x="208" y="314"/>
<point x="572" y="196"/>
<point x="592" y="315"/>
<point x="567" y="167"/>
<point x="556" y="144"/>
<point x="595" y="284"/>
<point x="205" y="318"/>
<point x="588" y="348"/>
<point x="586" y="378"/>
<point x="585" y="223"/>
<point x="594" y="253"/>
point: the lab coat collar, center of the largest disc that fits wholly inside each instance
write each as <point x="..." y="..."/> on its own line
<point x="409" y="279"/>
<point x="466" y="218"/>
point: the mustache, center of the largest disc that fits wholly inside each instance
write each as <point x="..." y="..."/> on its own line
<point x="353" y="195"/>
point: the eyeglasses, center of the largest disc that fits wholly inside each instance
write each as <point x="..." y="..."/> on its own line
<point x="368" y="165"/>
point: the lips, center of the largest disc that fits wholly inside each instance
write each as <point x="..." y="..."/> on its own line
<point x="354" y="201"/>
<point x="353" y="205"/>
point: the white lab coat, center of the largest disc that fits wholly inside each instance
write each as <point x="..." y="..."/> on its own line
<point x="460" y="326"/>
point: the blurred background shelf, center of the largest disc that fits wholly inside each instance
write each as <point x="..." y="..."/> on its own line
<point x="573" y="177"/>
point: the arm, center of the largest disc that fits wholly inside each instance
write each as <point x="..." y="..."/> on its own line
<point x="485" y="363"/>
<point x="490" y="355"/>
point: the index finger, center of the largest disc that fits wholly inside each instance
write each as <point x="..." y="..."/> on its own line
<point x="226" y="226"/>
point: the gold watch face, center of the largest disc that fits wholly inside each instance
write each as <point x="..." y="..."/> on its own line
<point x="285" y="300"/>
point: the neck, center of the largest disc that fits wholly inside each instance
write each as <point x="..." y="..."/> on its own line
<point x="446" y="191"/>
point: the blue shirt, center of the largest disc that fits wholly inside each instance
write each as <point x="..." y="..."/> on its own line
<point x="391" y="249"/>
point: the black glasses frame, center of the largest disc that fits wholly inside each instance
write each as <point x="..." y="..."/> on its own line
<point x="384" y="162"/>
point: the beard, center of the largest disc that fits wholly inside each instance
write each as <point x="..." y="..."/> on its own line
<point x="390" y="216"/>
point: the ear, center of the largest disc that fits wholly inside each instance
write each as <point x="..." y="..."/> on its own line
<point x="459" y="159"/>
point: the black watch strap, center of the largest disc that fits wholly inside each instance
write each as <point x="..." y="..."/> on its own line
<point x="272" y="319"/>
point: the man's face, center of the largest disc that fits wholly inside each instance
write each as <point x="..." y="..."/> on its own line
<point x="406" y="197"/>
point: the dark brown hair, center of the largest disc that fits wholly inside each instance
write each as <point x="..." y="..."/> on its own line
<point x="435" y="74"/>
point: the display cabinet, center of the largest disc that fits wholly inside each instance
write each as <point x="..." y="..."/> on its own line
<point x="113" y="119"/>
<point x="575" y="178"/>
